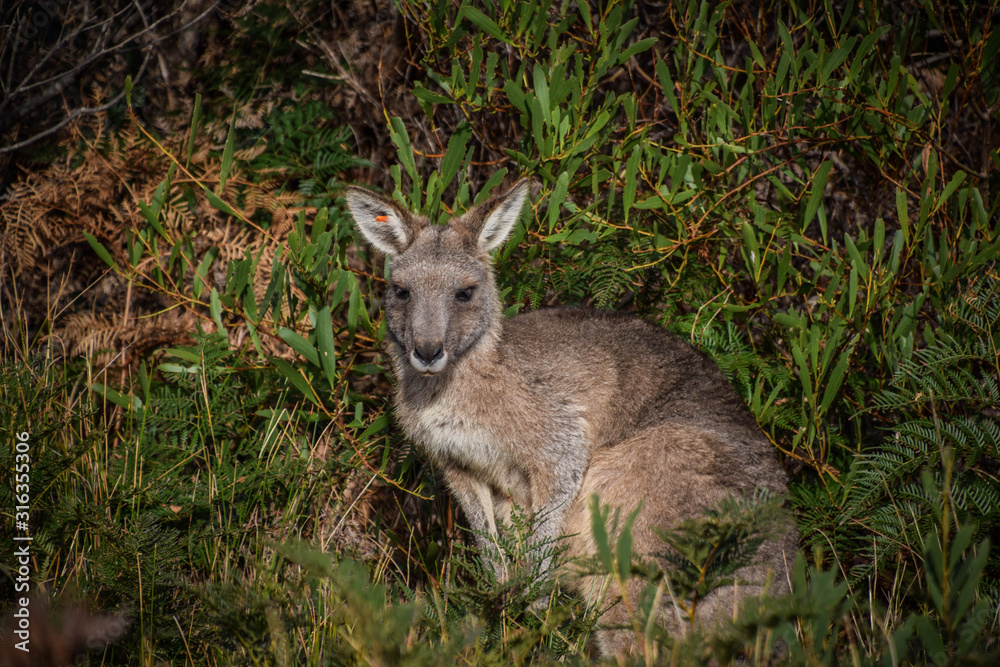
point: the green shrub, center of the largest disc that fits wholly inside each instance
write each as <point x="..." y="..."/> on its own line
<point x="778" y="191"/>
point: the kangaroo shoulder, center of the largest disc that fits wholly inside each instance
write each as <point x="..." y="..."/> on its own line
<point x="620" y="355"/>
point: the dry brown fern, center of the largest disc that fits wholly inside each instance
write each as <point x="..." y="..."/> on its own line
<point x="96" y="189"/>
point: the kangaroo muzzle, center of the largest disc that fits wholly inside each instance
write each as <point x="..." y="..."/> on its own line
<point x="428" y="357"/>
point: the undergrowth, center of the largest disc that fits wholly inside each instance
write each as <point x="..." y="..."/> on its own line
<point x="808" y="194"/>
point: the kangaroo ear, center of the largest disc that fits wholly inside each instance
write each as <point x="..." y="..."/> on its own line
<point x="385" y="225"/>
<point x="491" y="222"/>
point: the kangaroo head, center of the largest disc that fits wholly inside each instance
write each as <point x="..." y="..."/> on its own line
<point x="442" y="298"/>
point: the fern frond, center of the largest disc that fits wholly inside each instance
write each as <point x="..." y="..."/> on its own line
<point x="886" y="494"/>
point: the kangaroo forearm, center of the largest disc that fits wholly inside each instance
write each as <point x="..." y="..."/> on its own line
<point x="555" y="494"/>
<point x="475" y="499"/>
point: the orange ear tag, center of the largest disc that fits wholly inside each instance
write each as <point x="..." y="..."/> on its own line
<point x="381" y="218"/>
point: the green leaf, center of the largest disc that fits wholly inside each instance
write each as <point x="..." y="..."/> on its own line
<point x="516" y="96"/>
<point x="588" y="21"/>
<point x="250" y="307"/>
<point x="429" y="96"/>
<point x="901" y="212"/>
<point x="121" y="400"/>
<point x="399" y="136"/>
<point x="457" y="33"/>
<point x="354" y="305"/>
<point x="239" y="276"/>
<point x="293" y="375"/>
<point x="483" y="22"/>
<point x="227" y="155"/>
<point x="856" y="259"/>
<point x="869" y="41"/>
<point x="752" y="248"/>
<point x="454" y="156"/>
<point x="133" y="246"/>
<point x="667" y="85"/>
<point x="834" y="60"/>
<point x="787" y="60"/>
<point x="101" y="251"/>
<point x="193" y="131"/>
<point x="177" y="368"/>
<point x="989" y="73"/>
<point x="638" y="47"/>
<point x="326" y="344"/>
<point x="557" y="198"/>
<point x="186" y="355"/>
<point x="971" y="571"/>
<point x="144" y="381"/>
<point x="215" y="308"/>
<point x="218" y="203"/>
<point x="200" y="281"/>
<point x="376" y="426"/>
<point x="598" y="518"/>
<point x="631" y="170"/>
<point x="251" y="322"/>
<point x="679" y="174"/>
<point x="804" y="376"/>
<point x="542" y="93"/>
<point x="898" y="242"/>
<point x="343" y="282"/>
<point x="649" y="203"/>
<point x="319" y="224"/>
<point x="879" y="240"/>
<point x="624" y="546"/>
<point x="852" y="293"/>
<point x="152" y="213"/>
<point x="929" y="636"/>
<point x="949" y="189"/>
<point x="835" y="379"/>
<point x="816" y="195"/>
<point x="927" y="192"/>
<point x="491" y="182"/>
<point x="757" y="57"/>
<point x="300" y="345"/>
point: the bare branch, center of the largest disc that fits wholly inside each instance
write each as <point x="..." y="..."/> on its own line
<point x="99" y="50"/>
<point x="76" y="113"/>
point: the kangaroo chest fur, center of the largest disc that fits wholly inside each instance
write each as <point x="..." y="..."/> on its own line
<point x="475" y="421"/>
<point x="449" y="431"/>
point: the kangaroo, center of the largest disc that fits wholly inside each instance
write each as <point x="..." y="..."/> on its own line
<point x="550" y="407"/>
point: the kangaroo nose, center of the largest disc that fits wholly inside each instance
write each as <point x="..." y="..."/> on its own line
<point x="428" y="353"/>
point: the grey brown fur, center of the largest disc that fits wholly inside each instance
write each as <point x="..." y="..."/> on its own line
<point x="549" y="407"/>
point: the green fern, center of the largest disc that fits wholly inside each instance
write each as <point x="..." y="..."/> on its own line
<point x="706" y="552"/>
<point x="607" y="275"/>
<point x="763" y="381"/>
<point x="960" y="366"/>
<point x="886" y="495"/>
<point x="303" y="143"/>
<point x="526" y="287"/>
<point x="947" y="372"/>
<point x="525" y="600"/>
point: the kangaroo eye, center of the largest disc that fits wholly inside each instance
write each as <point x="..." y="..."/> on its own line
<point x="464" y="295"/>
<point x="400" y="292"/>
